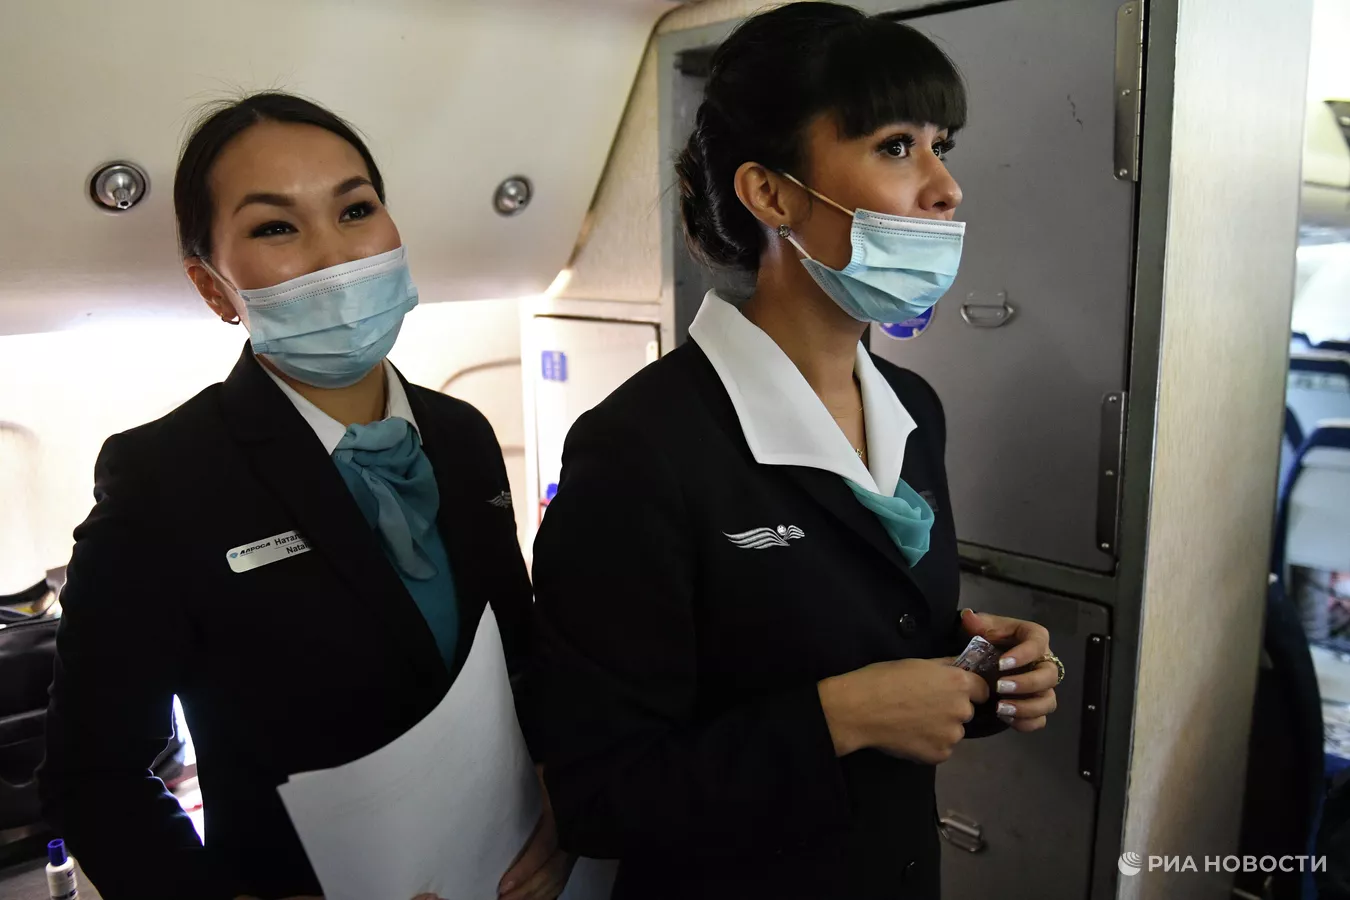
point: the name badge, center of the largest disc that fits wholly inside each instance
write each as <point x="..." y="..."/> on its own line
<point x="267" y="550"/>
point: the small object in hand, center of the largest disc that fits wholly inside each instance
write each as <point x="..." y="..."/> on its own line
<point x="980" y="657"/>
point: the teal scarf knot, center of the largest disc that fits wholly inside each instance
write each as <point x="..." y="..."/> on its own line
<point x="393" y="483"/>
<point x="907" y="517"/>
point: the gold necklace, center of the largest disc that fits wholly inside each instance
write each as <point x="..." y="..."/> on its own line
<point x="846" y="415"/>
<point x="857" y="450"/>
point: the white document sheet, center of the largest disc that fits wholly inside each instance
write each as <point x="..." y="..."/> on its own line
<point x="444" y="809"/>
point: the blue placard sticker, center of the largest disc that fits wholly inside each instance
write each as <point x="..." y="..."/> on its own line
<point x="912" y="328"/>
<point x="554" y="365"/>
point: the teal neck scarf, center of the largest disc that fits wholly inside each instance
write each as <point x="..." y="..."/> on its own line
<point x="393" y="483"/>
<point x="391" y="479"/>
<point x="907" y="517"/>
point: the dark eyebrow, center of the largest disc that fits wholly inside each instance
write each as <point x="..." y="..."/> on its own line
<point x="345" y="187"/>
<point x="350" y="185"/>
<point x="268" y="199"/>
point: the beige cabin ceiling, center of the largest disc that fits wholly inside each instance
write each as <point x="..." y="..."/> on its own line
<point x="454" y="96"/>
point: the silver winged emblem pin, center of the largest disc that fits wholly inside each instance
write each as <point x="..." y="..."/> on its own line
<point x="764" y="538"/>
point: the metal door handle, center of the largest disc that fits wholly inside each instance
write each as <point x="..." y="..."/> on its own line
<point x="984" y="316"/>
<point x="961" y="832"/>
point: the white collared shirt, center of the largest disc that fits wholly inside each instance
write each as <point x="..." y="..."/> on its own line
<point x="783" y="420"/>
<point x="330" y="430"/>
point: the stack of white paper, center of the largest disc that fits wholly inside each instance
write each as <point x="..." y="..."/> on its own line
<point x="443" y="810"/>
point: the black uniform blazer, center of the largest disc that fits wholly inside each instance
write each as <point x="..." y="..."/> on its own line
<point x="675" y="705"/>
<point x="305" y="663"/>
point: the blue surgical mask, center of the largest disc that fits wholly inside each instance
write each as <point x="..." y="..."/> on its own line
<point x="900" y="266"/>
<point x="331" y="327"/>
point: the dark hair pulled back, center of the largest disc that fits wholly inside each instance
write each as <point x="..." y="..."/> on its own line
<point x="774" y="74"/>
<point x="223" y="122"/>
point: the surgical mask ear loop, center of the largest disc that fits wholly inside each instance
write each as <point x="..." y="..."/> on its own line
<point x="225" y="281"/>
<point x="819" y="196"/>
<point x="785" y="233"/>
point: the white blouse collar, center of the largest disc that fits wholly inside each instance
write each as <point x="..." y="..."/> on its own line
<point x="783" y="420"/>
<point x="329" y="430"/>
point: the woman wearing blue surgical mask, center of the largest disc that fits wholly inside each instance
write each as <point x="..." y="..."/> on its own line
<point x="302" y="553"/>
<point x="747" y="585"/>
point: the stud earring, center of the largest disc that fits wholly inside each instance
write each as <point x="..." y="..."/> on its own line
<point x="784" y="231"/>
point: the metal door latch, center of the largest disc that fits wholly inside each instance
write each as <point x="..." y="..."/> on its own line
<point x="961" y="832"/>
<point x="987" y="315"/>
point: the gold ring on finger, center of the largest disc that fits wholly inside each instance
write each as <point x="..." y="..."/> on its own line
<point x="1059" y="666"/>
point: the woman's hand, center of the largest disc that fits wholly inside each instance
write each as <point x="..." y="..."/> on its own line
<point x="541" y="871"/>
<point x="1026" y="697"/>
<point x="911" y="708"/>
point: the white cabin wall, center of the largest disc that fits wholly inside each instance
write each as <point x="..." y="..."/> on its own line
<point x="71" y="390"/>
<point x="1227" y="288"/>
<point x="21" y="512"/>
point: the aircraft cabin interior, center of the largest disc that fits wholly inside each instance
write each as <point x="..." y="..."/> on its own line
<point x="1136" y="426"/>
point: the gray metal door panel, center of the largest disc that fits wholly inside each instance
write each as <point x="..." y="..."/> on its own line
<point x="1034" y="808"/>
<point x="1049" y="231"/>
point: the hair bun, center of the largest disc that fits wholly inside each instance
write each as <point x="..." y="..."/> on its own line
<point x="718" y="229"/>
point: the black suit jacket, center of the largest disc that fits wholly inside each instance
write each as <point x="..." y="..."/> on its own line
<point x="675" y="706"/>
<point x="305" y="663"/>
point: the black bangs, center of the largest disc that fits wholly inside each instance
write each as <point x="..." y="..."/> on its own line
<point x="878" y="72"/>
